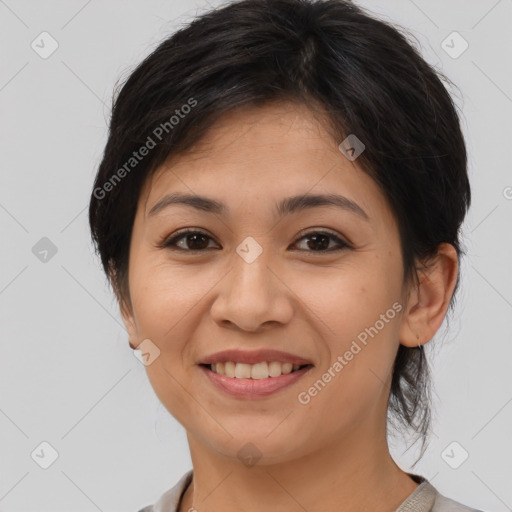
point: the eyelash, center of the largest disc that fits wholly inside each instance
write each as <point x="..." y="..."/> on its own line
<point x="170" y="242"/>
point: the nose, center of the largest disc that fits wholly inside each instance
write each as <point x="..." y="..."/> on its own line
<point x="252" y="297"/>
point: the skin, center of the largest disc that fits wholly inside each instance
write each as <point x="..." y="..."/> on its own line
<point x="293" y="298"/>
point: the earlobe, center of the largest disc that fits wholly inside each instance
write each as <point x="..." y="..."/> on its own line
<point x="126" y="311"/>
<point x="129" y="322"/>
<point x="429" y="301"/>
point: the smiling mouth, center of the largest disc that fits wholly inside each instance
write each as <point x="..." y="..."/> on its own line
<point x="258" y="371"/>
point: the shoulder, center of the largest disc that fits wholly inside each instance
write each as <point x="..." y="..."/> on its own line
<point x="168" y="501"/>
<point x="444" y="504"/>
<point x="421" y="499"/>
<point x="426" y="498"/>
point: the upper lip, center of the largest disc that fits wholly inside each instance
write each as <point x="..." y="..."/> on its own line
<point x="253" y="357"/>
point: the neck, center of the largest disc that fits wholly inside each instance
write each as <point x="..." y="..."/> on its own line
<point x="357" y="471"/>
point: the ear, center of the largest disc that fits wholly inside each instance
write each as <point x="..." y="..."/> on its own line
<point x="126" y="311"/>
<point x="429" y="301"/>
<point x="129" y="323"/>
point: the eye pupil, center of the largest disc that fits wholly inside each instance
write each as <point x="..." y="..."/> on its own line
<point x="196" y="241"/>
<point x="195" y="237"/>
<point x="323" y="245"/>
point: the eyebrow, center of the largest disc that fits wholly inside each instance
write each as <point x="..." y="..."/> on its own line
<point x="285" y="207"/>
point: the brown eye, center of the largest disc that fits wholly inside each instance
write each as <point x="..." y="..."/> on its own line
<point x="196" y="241"/>
<point x="188" y="241"/>
<point x="319" y="241"/>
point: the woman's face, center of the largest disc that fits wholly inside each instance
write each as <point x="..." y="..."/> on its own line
<point x="322" y="283"/>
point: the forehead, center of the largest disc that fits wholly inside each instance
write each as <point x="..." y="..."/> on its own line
<point x="257" y="134"/>
<point x="267" y="152"/>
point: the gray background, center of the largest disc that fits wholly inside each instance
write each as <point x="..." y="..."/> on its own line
<point x="67" y="374"/>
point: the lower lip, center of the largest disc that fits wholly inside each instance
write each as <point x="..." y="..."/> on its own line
<point x="253" y="388"/>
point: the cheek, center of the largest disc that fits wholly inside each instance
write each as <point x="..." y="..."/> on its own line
<point x="359" y="313"/>
<point x="162" y="296"/>
<point x="350" y="298"/>
<point x="355" y="377"/>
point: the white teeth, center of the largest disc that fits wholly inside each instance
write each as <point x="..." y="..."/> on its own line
<point x="256" y="371"/>
<point x="259" y="371"/>
<point x="242" y="371"/>
<point x="229" y="369"/>
<point x="274" y="368"/>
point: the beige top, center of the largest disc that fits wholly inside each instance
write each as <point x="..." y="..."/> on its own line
<point x="425" y="498"/>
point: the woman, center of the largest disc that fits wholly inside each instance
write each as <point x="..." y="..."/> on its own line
<point x="278" y="210"/>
